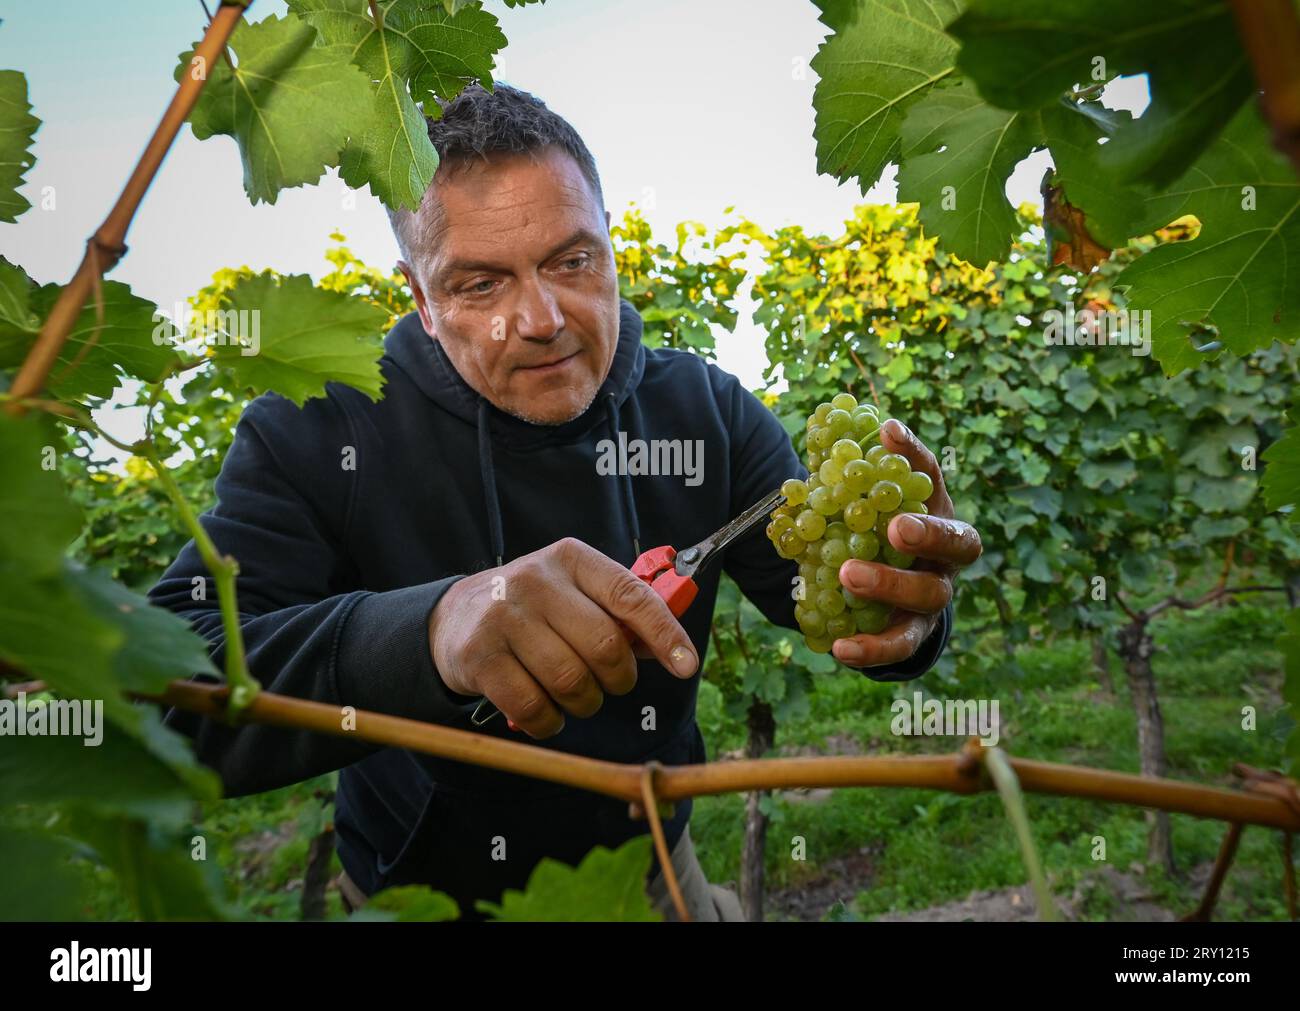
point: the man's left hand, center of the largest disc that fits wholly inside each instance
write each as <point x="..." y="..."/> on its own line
<point x="943" y="546"/>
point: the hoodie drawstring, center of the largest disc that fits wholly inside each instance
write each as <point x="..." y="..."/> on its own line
<point x="488" y="473"/>
<point x="628" y="501"/>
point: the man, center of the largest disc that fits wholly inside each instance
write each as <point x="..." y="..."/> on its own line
<point x="473" y="547"/>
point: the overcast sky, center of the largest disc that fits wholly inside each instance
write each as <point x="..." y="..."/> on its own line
<point x="697" y="105"/>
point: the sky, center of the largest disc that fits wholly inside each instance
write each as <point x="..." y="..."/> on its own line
<point x="687" y="107"/>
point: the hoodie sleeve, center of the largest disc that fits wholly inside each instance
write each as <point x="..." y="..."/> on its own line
<point x="762" y="456"/>
<point x="307" y="631"/>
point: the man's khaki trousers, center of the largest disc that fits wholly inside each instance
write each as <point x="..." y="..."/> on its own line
<point x="705" y="902"/>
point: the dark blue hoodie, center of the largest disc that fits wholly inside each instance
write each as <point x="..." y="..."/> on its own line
<point x="350" y="519"/>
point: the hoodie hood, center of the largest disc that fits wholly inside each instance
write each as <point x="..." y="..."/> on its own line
<point x="426" y="363"/>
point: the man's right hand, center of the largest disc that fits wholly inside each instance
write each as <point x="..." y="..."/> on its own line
<point x="538" y="636"/>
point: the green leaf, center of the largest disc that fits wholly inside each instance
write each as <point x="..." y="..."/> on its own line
<point x="16" y="316"/>
<point x="37" y="522"/>
<point x="1238" y="274"/>
<point x="107" y="771"/>
<point x="155" y="870"/>
<point x="422" y="51"/>
<point x="883" y="57"/>
<point x="608" y="885"/>
<point x="1023" y="54"/>
<point x="1073" y="131"/>
<point x="134" y="339"/>
<point x="1116" y="474"/>
<point x="289" y="103"/>
<point x="305" y="337"/>
<point x="17" y="127"/>
<point x="39" y="884"/>
<point x="408" y="904"/>
<point x="1281" y="478"/>
<point x="957" y="153"/>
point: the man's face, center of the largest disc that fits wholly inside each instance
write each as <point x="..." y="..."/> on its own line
<point x="521" y="289"/>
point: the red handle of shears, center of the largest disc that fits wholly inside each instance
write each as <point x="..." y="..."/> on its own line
<point x="657" y="568"/>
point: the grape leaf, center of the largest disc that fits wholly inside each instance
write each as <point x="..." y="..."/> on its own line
<point x="607" y="886"/>
<point x="37" y="522"/>
<point x="1238" y="274"/>
<point x="1072" y="131"/>
<point x="156" y="873"/>
<point x="408" y="904"/>
<point x="957" y="153"/>
<point x="289" y="103"/>
<point x="117" y="774"/>
<point x="302" y="337"/>
<point x="1198" y="74"/>
<point x="134" y="338"/>
<point x="47" y="889"/>
<point x="17" y="127"/>
<point x="1281" y="478"/>
<point x="430" y="50"/>
<point x="16" y="316"/>
<point x="86" y="637"/>
<point x="882" y="57"/>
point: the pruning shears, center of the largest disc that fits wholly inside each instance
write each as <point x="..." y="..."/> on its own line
<point x="671" y="573"/>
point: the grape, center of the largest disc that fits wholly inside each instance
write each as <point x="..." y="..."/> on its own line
<point x="859" y="516"/>
<point x="845" y="450"/>
<point x="814" y="622"/>
<point x="896" y="558"/>
<point x="865" y="424"/>
<point x="873" y="618"/>
<point x="842" y="510"/>
<point x="839" y="626"/>
<point x="859" y="476"/>
<point x="789" y="544"/>
<point x="885" y="496"/>
<point x="831" y="471"/>
<point x="839" y="422"/>
<point x="830" y="602"/>
<point x="918" y="486"/>
<point x="893" y="467"/>
<point x="826" y="578"/>
<point x="820" y="501"/>
<point x="835" y="553"/>
<point x="864" y="546"/>
<point x="810" y="525"/>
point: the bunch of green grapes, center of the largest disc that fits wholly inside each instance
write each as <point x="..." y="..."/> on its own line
<point x="854" y="488"/>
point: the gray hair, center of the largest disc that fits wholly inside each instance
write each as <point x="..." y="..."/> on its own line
<point x="478" y="123"/>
